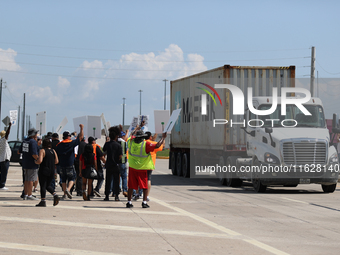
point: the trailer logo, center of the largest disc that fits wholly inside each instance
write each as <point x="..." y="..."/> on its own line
<point x="239" y="104"/>
<point x="204" y="97"/>
<point x="238" y="100"/>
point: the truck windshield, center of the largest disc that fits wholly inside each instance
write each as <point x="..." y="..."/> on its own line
<point x="317" y="119"/>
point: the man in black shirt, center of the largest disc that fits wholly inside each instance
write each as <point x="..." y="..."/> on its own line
<point x="79" y="180"/>
<point x="113" y="151"/>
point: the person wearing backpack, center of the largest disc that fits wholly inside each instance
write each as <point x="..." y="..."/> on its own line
<point x="87" y="162"/>
<point x="47" y="160"/>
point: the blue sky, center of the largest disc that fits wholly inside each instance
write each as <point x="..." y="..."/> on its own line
<point x="76" y="58"/>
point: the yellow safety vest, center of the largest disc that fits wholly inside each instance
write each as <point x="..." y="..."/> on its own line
<point x="138" y="158"/>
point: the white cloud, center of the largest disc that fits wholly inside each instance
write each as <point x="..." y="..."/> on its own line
<point x="44" y="95"/>
<point x="168" y="64"/>
<point x="7" y="61"/>
<point x="63" y="84"/>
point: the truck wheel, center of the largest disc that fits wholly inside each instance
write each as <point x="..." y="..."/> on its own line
<point x="173" y="163"/>
<point x="179" y="164"/>
<point x="328" y="188"/>
<point x="258" y="186"/>
<point x="186" y="165"/>
<point x="231" y="180"/>
<point x="220" y="175"/>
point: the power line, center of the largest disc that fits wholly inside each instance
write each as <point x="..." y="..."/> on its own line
<point x="325" y="70"/>
<point x="143" y="60"/>
<point x="96" y="68"/>
<point x="75" y="76"/>
<point x="120" y="50"/>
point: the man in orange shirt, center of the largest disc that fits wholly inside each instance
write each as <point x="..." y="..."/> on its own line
<point x="151" y="139"/>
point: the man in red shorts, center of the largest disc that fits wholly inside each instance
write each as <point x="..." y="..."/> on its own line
<point x="139" y="162"/>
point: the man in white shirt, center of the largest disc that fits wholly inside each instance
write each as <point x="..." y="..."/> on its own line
<point x="5" y="156"/>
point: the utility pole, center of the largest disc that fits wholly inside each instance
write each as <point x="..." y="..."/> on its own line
<point x="23" y="119"/>
<point x="18" y="123"/>
<point x="165" y="80"/>
<point x="140" y="102"/>
<point x="317" y="82"/>
<point x="312" y="72"/>
<point x="123" y="109"/>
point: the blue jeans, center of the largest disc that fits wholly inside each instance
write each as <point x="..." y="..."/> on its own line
<point x="123" y="176"/>
<point x="3" y="173"/>
<point x="100" y="180"/>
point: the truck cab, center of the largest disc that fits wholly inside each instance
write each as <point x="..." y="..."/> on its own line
<point x="289" y="149"/>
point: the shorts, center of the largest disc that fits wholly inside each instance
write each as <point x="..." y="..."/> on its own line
<point x="67" y="173"/>
<point x="138" y="178"/>
<point x="149" y="174"/>
<point x="31" y="175"/>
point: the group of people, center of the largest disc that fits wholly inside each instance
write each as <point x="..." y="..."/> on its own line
<point x="79" y="163"/>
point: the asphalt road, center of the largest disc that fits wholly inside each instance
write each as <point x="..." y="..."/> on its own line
<point x="186" y="216"/>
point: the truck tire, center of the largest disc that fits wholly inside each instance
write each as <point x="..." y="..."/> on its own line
<point x="186" y="165"/>
<point x="179" y="164"/>
<point x="328" y="188"/>
<point x="173" y="163"/>
<point x="258" y="186"/>
<point x="220" y="175"/>
<point x="231" y="180"/>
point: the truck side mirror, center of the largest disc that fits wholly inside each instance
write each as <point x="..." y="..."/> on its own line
<point x="334" y="124"/>
<point x="268" y="130"/>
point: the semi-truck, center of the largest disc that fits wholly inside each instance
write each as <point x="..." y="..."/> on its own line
<point x="250" y="123"/>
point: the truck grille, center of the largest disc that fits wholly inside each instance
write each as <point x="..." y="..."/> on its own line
<point x="301" y="153"/>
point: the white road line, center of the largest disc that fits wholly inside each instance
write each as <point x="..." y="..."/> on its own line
<point x="297" y="201"/>
<point x="223" y="229"/>
<point x="116" y="227"/>
<point x="49" y="249"/>
<point x="94" y="208"/>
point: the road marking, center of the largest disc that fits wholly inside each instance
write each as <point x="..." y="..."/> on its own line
<point x="293" y="200"/>
<point x="223" y="229"/>
<point x="49" y="249"/>
<point x="116" y="227"/>
<point x="95" y="208"/>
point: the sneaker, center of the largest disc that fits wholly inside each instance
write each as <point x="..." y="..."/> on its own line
<point x="106" y="198"/>
<point x="145" y="205"/>
<point x="42" y="203"/>
<point x="35" y="190"/>
<point x="125" y="194"/>
<point x="147" y="199"/>
<point x="32" y="198"/>
<point x="117" y="198"/>
<point x="88" y="198"/>
<point x="3" y="188"/>
<point x="56" y="200"/>
<point x="97" y="193"/>
<point x="68" y="194"/>
<point x="128" y="205"/>
<point x="63" y="197"/>
<point x="24" y="198"/>
<point x="135" y="198"/>
<point x="84" y="196"/>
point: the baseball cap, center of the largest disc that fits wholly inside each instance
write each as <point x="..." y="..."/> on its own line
<point x="55" y="135"/>
<point x="140" y="134"/>
<point x="91" y="139"/>
<point x="66" y="134"/>
<point x="2" y="133"/>
<point x="32" y="132"/>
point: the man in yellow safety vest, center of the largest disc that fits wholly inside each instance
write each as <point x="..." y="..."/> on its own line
<point x="139" y="162"/>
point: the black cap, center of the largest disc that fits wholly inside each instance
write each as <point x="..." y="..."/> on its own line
<point x="140" y="134"/>
<point x="55" y="135"/>
<point x="66" y="134"/>
<point x="32" y="132"/>
<point x="91" y="139"/>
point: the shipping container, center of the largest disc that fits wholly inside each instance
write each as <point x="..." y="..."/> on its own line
<point x="194" y="132"/>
